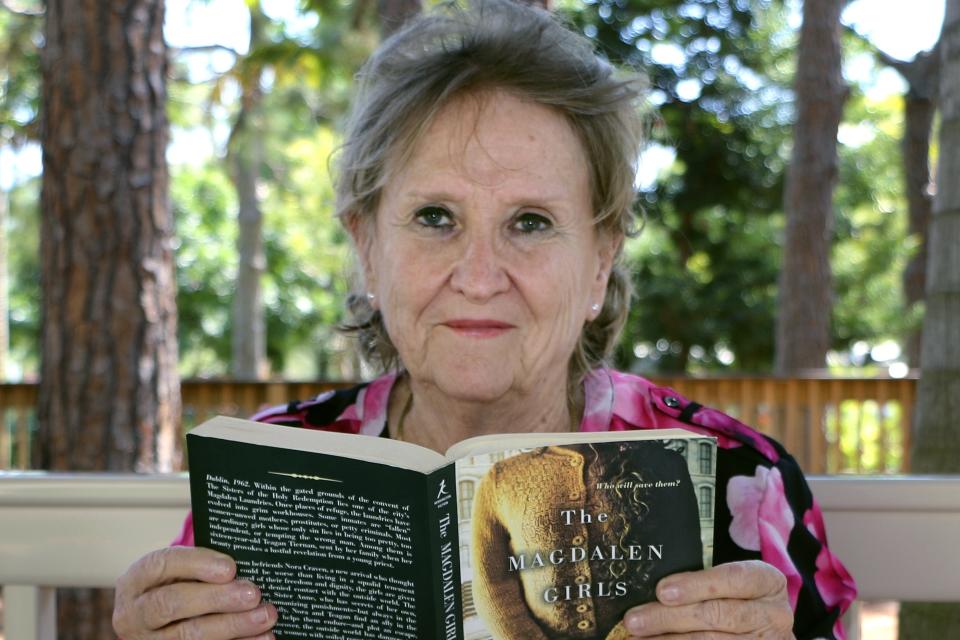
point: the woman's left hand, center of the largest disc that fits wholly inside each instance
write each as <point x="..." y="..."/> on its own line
<point x="737" y="600"/>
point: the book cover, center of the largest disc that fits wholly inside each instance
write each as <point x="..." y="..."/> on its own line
<point x="559" y="541"/>
<point x="514" y="536"/>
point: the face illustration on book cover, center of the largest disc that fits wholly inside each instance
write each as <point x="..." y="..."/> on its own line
<point x="559" y="541"/>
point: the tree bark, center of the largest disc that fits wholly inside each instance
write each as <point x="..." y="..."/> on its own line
<point x="805" y="305"/>
<point x="922" y="75"/>
<point x="936" y="445"/>
<point x="919" y="112"/>
<point x="245" y="156"/>
<point x="109" y="396"/>
<point x="936" y="442"/>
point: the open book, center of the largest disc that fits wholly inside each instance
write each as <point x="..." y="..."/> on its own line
<point x="520" y="536"/>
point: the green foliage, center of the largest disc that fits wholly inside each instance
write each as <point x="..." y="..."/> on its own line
<point x="304" y="77"/>
<point x="19" y="77"/>
<point x="704" y="302"/>
<point x="206" y="267"/>
<point x="23" y="269"/>
<point x="706" y="270"/>
<point x="304" y="284"/>
<point x="707" y="265"/>
<point x="871" y="248"/>
<point x="308" y="257"/>
<point x="868" y="436"/>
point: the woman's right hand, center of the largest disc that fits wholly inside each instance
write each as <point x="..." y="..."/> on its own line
<point x="181" y="593"/>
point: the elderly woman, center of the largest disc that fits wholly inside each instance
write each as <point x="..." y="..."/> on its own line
<point x="487" y="182"/>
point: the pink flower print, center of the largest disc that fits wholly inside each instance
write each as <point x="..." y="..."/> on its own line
<point x="813" y="521"/>
<point x="763" y="520"/>
<point x="185" y="539"/>
<point x="834" y="582"/>
<point x="743" y="497"/>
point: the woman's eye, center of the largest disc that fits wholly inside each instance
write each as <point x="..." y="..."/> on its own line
<point x="434" y="217"/>
<point x="532" y="222"/>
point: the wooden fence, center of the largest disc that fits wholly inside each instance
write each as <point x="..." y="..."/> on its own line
<point x="831" y="425"/>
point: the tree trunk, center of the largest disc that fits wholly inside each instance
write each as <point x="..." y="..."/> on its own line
<point x="803" y="320"/>
<point x="246" y="158"/>
<point x="922" y="76"/>
<point x="919" y="112"/>
<point x="936" y="443"/>
<point x="109" y="396"/>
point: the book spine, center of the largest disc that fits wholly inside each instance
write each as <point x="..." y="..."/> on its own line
<point x="198" y="491"/>
<point x="445" y="549"/>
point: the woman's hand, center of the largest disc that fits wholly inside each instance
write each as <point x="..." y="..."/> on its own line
<point x="737" y="600"/>
<point x="183" y="593"/>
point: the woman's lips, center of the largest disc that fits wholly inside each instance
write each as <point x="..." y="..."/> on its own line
<point x="478" y="328"/>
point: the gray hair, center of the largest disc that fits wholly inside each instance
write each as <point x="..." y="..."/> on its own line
<point x="494" y="45"/>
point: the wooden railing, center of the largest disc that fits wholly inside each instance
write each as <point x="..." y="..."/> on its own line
<point x="831" y="425"/>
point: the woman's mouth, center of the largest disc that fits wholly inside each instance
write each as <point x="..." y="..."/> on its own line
<point x="478" y="328"/>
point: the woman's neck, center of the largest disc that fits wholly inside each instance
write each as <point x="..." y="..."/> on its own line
<point x="424" y="415"/>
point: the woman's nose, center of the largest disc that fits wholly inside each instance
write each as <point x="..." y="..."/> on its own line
<point x="480" y="272"/>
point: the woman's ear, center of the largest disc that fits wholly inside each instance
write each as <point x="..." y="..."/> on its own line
<point x="360" y="226"/>
<point x="609" y="246"/>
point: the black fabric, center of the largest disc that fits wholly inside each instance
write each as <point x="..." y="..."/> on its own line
<point x="687" y="414"/>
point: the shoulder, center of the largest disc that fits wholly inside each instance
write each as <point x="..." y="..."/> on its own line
<point x="358" y="409"/>
<point x="327" y="411"/>
<point x="637" y="403"/>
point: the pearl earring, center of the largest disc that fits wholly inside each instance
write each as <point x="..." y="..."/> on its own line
<point x="595" y="307"/>
<point x="370" y="296"/>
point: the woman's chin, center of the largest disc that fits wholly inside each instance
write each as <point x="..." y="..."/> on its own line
<point x="475" y="389"/>
<point x="474" y="382"/>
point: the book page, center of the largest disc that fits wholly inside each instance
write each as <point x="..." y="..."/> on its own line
<point x="372" y="449"/>
<point x="338" y="545"/>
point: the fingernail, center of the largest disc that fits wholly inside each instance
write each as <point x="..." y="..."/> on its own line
<point x="248" y="594"/>
<point x="669" y="594"/>
<point x="222" y="567"/>
<point x="634" y="622"/>
<point x="259" y="615"/>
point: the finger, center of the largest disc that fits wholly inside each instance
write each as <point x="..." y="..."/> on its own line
<point x="746" y="580"/>
<point x="170" y="603"/>
<point x="751" y="618"/>
<point x="224" y="626"/>
<point x="177" y="563"/>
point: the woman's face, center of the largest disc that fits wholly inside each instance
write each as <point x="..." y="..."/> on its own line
<point x="483" y="257"/>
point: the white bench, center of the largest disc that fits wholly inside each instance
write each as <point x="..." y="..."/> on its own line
<point x="77" y="530"/>
<point x="897" y="535"/>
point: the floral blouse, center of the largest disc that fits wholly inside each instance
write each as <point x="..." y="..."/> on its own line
<point x="764" y="508"/>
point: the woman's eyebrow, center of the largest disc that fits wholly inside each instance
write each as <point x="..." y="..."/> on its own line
<point x="526" y="195"/>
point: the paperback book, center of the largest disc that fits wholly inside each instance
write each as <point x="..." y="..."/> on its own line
<point x="518" y="536"/>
